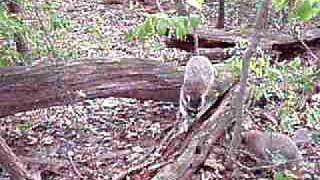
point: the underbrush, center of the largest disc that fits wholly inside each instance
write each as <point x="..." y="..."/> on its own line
<point x="287" y="89"/>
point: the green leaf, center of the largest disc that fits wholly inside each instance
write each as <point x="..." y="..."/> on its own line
<point x="194" y="20"/>
<point x="131" y="34"/>
<point x="3" y="63"/>
<point x="181" y="31"/>
<point x="304" y="10"/>
<point x="149" y="26"/>
<point x="280" y="4"/>
<point x="282" y="176"/>
<point x="196" y="3"/>
<point x="162" y="27"/>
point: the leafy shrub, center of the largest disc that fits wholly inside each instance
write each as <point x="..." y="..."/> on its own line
<point x="41" y="34"/>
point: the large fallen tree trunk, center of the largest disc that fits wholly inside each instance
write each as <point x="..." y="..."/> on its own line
<point x="283" y="45"/>
<point x="26" y="88"/>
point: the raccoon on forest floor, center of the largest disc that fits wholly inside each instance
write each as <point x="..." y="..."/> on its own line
<point x="264" y="145"/>
<point x="199" y="76"/>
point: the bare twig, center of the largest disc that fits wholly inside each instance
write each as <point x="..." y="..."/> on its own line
<point x="75" y="169"/>
<point x="269" y="166"/>
<point x="137" y="168"/>
<point x="196" y="42"/>
<point x="315" y="57"/>
<point x="159" y="5"/>
<point x="253" y="42"/>
<point x="297" y="36"/>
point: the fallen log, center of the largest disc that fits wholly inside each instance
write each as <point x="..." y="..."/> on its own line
<point x="27" y="88"/>
<point x="283" y="45"/>
<point x="198" y="143"/>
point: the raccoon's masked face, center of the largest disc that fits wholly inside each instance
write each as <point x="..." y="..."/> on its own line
<point x="193" y="102"/>
<point x="194" y="96"/>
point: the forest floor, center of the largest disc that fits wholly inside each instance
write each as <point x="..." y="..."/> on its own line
<point x="101" y="138"/>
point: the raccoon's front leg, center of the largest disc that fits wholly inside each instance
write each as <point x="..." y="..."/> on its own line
<point x="203" y="101"/>
<point x="185" y="123"/>
<point x="182" y="114"/>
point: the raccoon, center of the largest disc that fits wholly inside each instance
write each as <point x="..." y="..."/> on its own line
<point x="264" y="144"/>
<point x="199" y="76"/>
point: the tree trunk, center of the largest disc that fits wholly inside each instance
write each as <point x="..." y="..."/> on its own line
<point x="22" y="45"/>
<point x="220" y="23"/>
<point x="12" y="163"/>
<point x="27" y="88"/>
<point x="254" y="40"/>
<point x="239" y="9"/>
<point x="181" y="8"/>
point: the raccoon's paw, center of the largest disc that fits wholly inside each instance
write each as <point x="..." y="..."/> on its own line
<point x="184" y="127"/>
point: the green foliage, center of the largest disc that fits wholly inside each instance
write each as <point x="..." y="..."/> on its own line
<point x="284" y="84"/>
<point x="316" y="138"/>
<point x="235" y="62"/>
<point x="313" y="110"/>
<point x="280" y="4"/>
<point x="196" y="3"/>
<point x="162" y="24"/>
<point x="58" y="21"/>
<point x="24" y="127"/>
<point x="9" y="26"/>
<point x="282" y="176"/>
<point x="41" y="36"/>
<point x="304" y="9"/>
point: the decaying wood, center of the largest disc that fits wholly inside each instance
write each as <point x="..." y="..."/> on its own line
<point x="27" y="88"/>
<point x="113" y="1"/>
<point x="217" y="40"/>
<point x="201" y="140"/>
<point x="12" y="163"/>
<point x="217" y="54"/>
<point x="283" y="45"/>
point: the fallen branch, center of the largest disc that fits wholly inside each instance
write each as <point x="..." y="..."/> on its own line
<point x="27" y="88"/>
<point x="12" y="163"/>
<point x="202" y="139"/>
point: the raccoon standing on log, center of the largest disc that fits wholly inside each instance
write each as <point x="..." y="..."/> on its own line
<point x="199" y="77"/>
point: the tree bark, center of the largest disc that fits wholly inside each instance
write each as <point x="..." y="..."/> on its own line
<point x="220" y="23"/>
<point x="282" y="45"/>
<point x="181" y="8"/>
<point x="12" y="163"/>
<point x="254" y="40"/>
<point x="239" y="11"/>
<point x="27" y="88"/>
<point x="22" y="45"/>
<point x="196" y="146"/>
